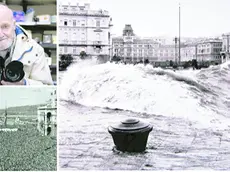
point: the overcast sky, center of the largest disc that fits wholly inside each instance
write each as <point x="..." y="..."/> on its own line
<point x="160" y="17"/>
<point x="18" y="96"/>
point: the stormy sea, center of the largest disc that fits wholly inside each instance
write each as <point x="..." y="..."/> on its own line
<point x="189" y="111"/>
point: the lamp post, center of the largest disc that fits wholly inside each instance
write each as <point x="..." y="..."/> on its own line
<point x="196" y="51"/>
<point x="175" y="40"/>
<point x="227" y="50"/>
<point x="111" y="51"/>
<point x="179" y="35"/>
<point x="148" y="52"/>
<point x="143" y="54"/>
<point x="202" y="55"/>
<point x="5" y="116"/>
<point x="111" y="46"/>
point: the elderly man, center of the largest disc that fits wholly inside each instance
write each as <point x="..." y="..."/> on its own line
<point x="16" y="45"/>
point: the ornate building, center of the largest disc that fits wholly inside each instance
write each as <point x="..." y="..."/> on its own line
<point x="135" y="49"/>
<point x="132" y="48"/>
<point x="83" y="29"/>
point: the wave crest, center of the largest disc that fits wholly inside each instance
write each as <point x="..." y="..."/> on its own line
<point x="144" y="89"/>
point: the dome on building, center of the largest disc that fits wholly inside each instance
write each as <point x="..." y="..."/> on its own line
<point x="128" y="30"/>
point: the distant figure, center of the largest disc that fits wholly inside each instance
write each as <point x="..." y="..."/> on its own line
<point x="140" y="61"/>
<point x="146" y="61"/>
<point x="194" y="64"/>
<point x="115" y="59"/>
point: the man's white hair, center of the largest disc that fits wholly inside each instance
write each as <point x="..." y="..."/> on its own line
<point x="4" y="6"/>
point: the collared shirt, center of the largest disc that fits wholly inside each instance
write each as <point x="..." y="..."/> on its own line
<point x="4" y="52"/>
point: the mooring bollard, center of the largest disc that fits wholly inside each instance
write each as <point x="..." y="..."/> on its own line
<point x="130" y="135"/>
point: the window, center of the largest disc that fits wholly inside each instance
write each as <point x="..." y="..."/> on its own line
<point x="98" y="23"/>
<point x="66" y="36"/>
<point x="97" y="50"/>
<point x="74" y="38"/>
<point x="83" y="36"/>
<point x="48" y="115"/>
<point x="98" y="37"/>
<point x="65" y="49"/>
<point x="74" y="50"/>
<point x="128" y="49"/>
<point x="74" y="22"/>
<point x="83" y="23"/>
<point x="65" y="23"/>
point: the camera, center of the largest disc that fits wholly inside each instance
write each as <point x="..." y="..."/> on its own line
<point x="13" y="72"/>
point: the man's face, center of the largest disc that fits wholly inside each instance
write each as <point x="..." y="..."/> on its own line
<point x="7" y="28"/>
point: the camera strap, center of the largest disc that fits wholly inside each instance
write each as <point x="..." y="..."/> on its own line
<point x="7" y="57"/>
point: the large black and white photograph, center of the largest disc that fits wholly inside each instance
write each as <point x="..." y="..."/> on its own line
<point x="144" y="85"/>
<point x="28" y="129"/>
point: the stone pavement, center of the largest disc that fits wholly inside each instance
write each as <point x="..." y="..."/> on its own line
<point x="173" y="144"/>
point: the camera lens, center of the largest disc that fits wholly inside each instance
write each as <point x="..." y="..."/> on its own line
<point x="14" y="72"/>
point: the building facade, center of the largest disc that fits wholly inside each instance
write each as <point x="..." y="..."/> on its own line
<point x="83" y="29"/>
<point x="166" y="53"/>
<point x="131" y="48"/>
<point x="209" y="50"/>
<point x="188" y="52"/>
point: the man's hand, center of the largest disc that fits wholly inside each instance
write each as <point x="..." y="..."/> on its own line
<point x="22" y="82"/>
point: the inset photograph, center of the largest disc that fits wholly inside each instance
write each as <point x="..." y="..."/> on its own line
<point x="28" y="129"/>
<point x="28" y="42"/>
<point x="144" y="85"/>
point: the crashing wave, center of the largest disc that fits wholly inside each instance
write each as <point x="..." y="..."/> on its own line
<point x="144" y="89"/>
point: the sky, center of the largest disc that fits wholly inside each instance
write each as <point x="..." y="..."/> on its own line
<point x="19" y="96"/>
<point x="199" y="18"/>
